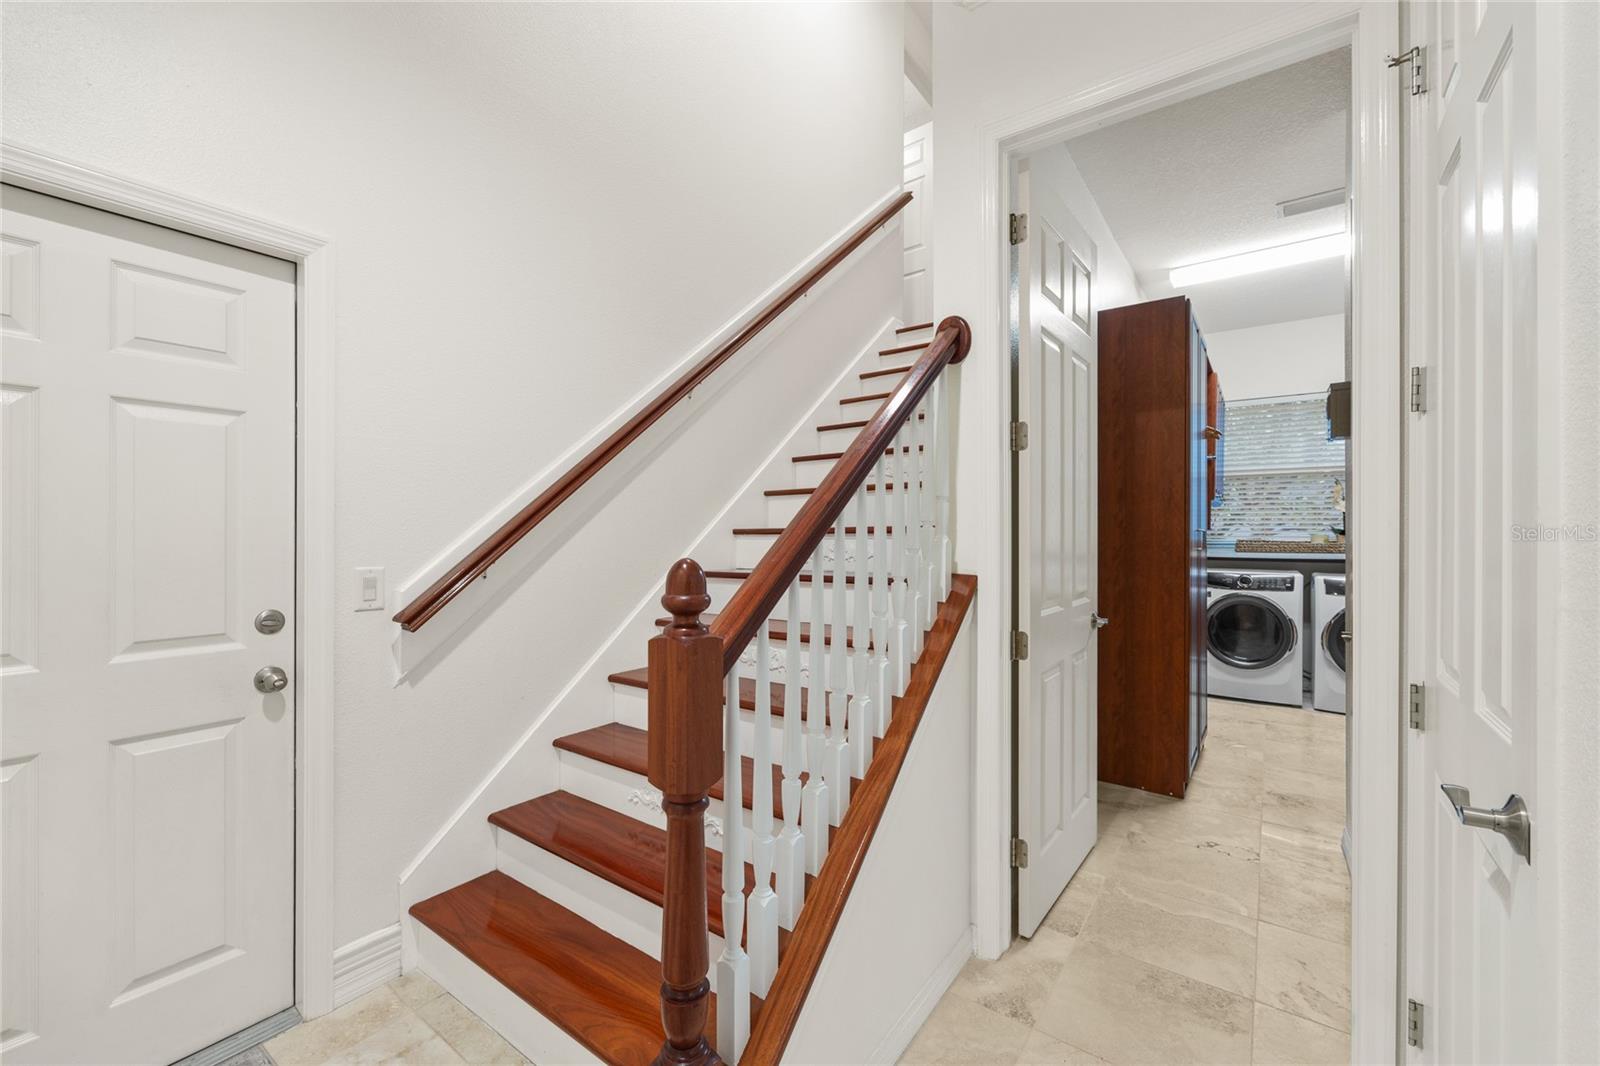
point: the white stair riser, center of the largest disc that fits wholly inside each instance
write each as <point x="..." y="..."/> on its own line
<point x="722" y="591"/>
<point x="809" y="474"/>
<point x="630" y="794"/>
<point x="749" y="548"/>
<point x="631" y="707"/>
<point x="781" y="510"/>
<point x="629" y="917"/>
<point x="883" y="382"/>
<point x="529" y="1031"/>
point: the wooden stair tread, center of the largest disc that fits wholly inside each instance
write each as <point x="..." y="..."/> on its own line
<point x="805" y="578"/>
<point x="603" y="992"/>
<point x="885" y="372"/>
<point x="808" y="491"/>
<point x="852" y="425"/>
<point x="778" y="630"/>
<point x="817" y="457"/>
<point x="866" y="399"/>
<point x="904" y="348"/>
<point x="627" y="748"/>
<point x="773" y="531"/>
<point x="640" y="678"/>
<point x="913" y="329"/>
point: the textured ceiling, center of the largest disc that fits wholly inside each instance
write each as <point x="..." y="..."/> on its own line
<point x="1201" y="179"/>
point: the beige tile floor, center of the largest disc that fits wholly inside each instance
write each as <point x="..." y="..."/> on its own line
<point x="1213" y="929"/>
<point x="408" y="1020"/>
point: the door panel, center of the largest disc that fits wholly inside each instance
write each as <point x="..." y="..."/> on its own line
<point x="1057" y="523"/>
<point x="1472" y="945"/>
<point x="916" y="227"/>
<point x="148" y="856"/>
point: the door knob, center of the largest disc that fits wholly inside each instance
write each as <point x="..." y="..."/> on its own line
<point x="1510" y="821"/>
<point x="1098" y="622"/>
<point x="271" y="679"/>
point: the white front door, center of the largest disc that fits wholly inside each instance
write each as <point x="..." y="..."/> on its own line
<point x="147" y="786"/>
<point x="1055" y="551"/>
<point x="1476" y="634"/>
<point x="917" y="286"/>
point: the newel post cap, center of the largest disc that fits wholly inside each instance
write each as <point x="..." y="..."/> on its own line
<point x="686" y="598"/>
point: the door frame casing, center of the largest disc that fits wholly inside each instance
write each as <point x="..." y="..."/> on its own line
<point x="65" y="179"/>
<point x="1372" y="31"/>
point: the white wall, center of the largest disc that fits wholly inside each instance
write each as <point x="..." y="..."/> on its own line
<point x="998" y="64"/>
<point x="535" y="210"/>
<point x="1115" y="283"/>
<point x="1281" y="359"/>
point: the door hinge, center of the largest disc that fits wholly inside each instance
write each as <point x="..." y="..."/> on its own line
<point x="1414" y="1023"/>
<point x="1019" y="646"/>
<point x="1416" y="715"/>
<point x="1417" y="56"/>
<point x="1019" y="853"/>
<point x="1419" y="389"/>
<point x="1019" y="436"/>
<point x="1019" y="228"/>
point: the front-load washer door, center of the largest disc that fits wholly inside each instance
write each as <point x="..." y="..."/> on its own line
<point x="1248" y="632"/>
<point x="1333" y="640"/>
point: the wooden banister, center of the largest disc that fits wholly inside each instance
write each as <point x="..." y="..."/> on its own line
<point x="750" y="607"/>
<point x="477" y="562"/>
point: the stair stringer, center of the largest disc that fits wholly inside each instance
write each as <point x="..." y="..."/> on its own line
<point x="465" y="845"/>
<point x="907" y="926"/>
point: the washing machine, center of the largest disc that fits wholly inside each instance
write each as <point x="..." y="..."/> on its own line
<point x="1253" y="636"/>
<point x="1327" y="671"/>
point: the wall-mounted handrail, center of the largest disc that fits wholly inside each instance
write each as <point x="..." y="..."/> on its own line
<point x="756" y="599"/>
<point x="477" y="562"/>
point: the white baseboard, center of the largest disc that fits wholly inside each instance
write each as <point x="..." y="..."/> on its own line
<point x="364" y="964"/>
<point x="899" y="1037"/>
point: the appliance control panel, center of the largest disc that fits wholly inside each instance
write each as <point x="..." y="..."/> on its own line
<point x="1257" y="582"/>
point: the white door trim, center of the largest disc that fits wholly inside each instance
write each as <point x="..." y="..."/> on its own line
<point x="314" y="528"/>
<point x="1372" y="29"/>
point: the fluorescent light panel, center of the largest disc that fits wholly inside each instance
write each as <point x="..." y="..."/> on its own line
<point x="1284" y="255"/>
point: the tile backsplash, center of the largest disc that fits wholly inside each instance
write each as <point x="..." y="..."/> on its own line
<point x="1278" y="471"/>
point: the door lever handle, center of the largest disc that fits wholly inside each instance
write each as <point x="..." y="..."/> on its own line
<point x="1510" y="820"/>
<point x="1098" y="622"/>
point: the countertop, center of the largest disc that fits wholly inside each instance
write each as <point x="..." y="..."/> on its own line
<point x="1225" y="550"/>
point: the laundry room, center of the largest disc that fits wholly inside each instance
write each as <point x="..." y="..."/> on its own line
<point x="1187" y="269"/>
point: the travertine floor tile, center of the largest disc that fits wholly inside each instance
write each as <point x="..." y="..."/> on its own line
<point x="1018" y="981"/>
<point x="1076" y="903"/>
<point x="1303" y="975"/>
<point x="390" y="1043"/>
<point x="1305" y="885"/>
<point x="1195" y="824"/>
<point x="323" y="1039"/>
<point x="1194" y="939"/>
<point x="415" y="988"/>
<point x="1044" y="1050"/>
<point x="1124" y="1010"/>
<point x="1228" y="879"/>
<point x="961" y="1031"/>
<point x="466" y="1033"/>
<point x="1286" y="1040"/>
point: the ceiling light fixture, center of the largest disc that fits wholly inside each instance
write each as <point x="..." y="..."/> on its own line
<point x="1284" y="255"/>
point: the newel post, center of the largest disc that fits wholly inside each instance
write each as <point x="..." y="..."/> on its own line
<point x="685" y="760"/>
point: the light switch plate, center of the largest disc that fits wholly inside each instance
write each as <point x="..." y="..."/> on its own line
<point x="369" y="588"/>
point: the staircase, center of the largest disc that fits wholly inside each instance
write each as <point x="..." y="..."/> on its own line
<point x="592" y="898"/>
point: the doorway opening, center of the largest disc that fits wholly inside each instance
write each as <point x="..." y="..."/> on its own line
<point x="1182" y="273"/>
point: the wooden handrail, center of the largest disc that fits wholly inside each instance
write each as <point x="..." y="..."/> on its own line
<point x="751" y="606"/>
<point x="476" y="563"/>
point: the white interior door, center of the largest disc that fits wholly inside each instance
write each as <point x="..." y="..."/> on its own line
<point x="1475" y="630"/>
<point x="917" y="288"/>
<point x="147" y="786"/>
<point x="1056" y="550"/>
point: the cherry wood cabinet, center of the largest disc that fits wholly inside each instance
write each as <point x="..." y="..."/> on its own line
<point x="1154" y="507"/>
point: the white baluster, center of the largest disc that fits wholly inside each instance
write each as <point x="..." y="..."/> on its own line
<point x="763" y="905"/>
<point x="838" y="765"/>
<point x="882" y="666"/>
<point x="915" y="605"/>
<point x="791" y="858"/>
<point x="899" y="629"/>
<point x="926" y="585"/>
<point x="733" y="966"/>
<point x="814" y="805"/>
<point x="863" y="709"/>
<point x="943" y="561"/>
